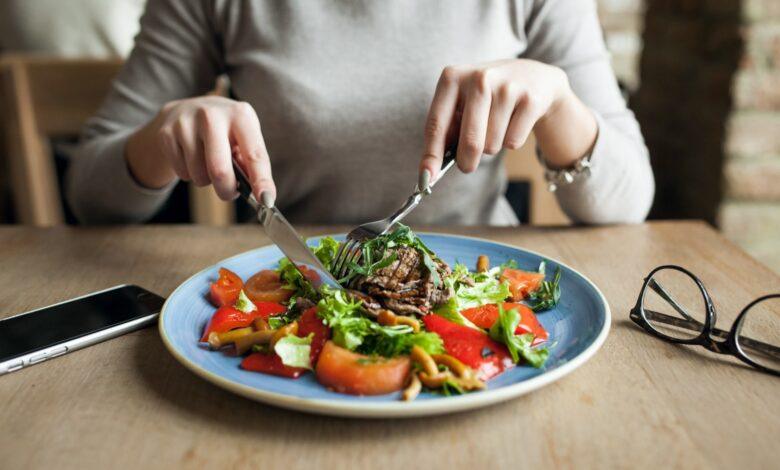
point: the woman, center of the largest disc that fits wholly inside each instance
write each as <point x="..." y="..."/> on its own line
<point x="338" y="98"/>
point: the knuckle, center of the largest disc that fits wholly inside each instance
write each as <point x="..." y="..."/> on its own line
<point x="165" y="135"/>
<point x="492" y="149"/>
<point x="254" y="155"/>
<point x="434" y="127"/>
<point x="471" y="146"/>
<point x="178" y="128"/>
<point x="506" y="91"/>
<point x="513" y="143"/>
<point x="219" y="173"/>
<point x="449" y="75"/>
<point x="244" y="110"/>
<point x="204" y="116"/>
<point x="480" y="80"/>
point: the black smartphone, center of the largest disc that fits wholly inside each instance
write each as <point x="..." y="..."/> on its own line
<point x="38" y="335"/>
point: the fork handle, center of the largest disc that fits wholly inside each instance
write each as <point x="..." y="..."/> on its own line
<point x="243" y="187"/>
<point x="447" y="162"/>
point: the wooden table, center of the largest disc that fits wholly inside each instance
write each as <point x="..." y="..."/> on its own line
<point x="638" y="403"/>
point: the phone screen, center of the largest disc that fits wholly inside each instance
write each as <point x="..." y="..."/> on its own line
<point x="46" y="327"/>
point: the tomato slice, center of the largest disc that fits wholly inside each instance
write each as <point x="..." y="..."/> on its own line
<point x="265" y="286"/>
<point x="472" y="347"/>
<point x="270" y="364"/>
<point x="486" y="315"/>
<point x="225" y="290"/>
<point x="521" y="283"/>
<point x="347" y="372"/>
<point x="227" y="318"/>
<point x="309" y="322"/>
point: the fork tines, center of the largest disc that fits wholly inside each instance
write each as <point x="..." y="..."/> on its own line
<point x="349" y="252"/>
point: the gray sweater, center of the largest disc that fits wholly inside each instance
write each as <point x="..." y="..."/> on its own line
<point x="342" y="88"/>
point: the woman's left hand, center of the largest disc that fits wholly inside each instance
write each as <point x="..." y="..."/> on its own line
<point x="496" y="105"/>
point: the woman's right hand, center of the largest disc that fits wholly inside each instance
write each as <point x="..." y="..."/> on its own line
<point x="196" y="139"/>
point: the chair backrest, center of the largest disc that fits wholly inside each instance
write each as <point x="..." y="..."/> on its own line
<point x="45" y="97"/>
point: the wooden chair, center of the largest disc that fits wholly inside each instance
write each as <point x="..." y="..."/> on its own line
<point x="44" y="98"/>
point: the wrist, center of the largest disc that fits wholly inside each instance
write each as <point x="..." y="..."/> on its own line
<point x="145" y="161"/>
<point x="567" y="131"/>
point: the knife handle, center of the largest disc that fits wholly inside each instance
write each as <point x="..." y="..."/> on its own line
<point x="244" y="188"/>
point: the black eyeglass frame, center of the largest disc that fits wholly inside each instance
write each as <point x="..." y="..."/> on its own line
<point x="730" y="345"/>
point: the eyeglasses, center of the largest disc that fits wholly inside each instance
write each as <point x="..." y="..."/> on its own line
<point x="674" y="305"/>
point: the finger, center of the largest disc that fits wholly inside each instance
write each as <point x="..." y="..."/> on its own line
<point x="473" y="128"/>
<point x="213" y="131"/>
<point x="253" y="155"/>
<point x="192" y="151"/>
<point x="173" y="153"/>
<point x="439" y="121"/>
<point x="520" y="125"/>
<point x="501" y="108"/>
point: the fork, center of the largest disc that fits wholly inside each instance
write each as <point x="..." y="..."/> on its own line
<point x="350" y="249"/>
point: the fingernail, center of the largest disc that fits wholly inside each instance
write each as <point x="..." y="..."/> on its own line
<point x="424" y="181"/>
<point x="267" y="199"/>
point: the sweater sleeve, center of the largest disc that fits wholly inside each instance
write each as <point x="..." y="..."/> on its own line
<point x="620" y="189"/>
<point x="175" y="56"/>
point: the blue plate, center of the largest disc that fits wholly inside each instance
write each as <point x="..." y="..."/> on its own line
<point x="578" y="326"/>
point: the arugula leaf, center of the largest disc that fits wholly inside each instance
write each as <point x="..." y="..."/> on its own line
<point x="548" y="294"/>
<point x="431" y="266"/>
<point x="376" y="254"/>
<point x="295" y="351"/>
<point x="243" y="303"/>
<point x="519" y="346"/>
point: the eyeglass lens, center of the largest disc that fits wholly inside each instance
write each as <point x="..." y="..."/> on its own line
<point x="674" y="305"/>
<point x="759" y="333"/>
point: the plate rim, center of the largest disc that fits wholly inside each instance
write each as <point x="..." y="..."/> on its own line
<point x="397" y="409"/>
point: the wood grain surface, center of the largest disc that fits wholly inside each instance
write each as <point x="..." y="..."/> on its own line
<point x="639" y="403"/>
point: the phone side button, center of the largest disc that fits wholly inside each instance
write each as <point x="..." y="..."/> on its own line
<point x="36" y="359"/>
<point x="15" y="366"/>
<point x="58" y="351"/>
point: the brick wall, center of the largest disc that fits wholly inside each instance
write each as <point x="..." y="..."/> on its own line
<point x="750" y="211"/>
<point x="622" y="22"/>
<point x="709" y="104"/>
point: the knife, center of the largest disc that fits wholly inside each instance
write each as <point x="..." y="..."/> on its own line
<point x="282" y="233"/>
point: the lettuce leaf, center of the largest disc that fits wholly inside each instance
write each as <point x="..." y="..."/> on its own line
<point x="326" y="251"/>
<point x="353" y="331"/>
<point x="519" y="346"/>
<point x="471" y="290"/>
<point x="243" y="303"/>
<point x="295" y="351"/>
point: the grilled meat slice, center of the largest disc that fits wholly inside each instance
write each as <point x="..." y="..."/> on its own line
<point x="406" y="286"/>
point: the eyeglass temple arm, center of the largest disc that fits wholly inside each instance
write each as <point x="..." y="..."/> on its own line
<point x="695" y="326"/>
<point x="665" y="295"/>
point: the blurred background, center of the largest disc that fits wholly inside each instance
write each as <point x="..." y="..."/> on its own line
<point x="703" y="77"/>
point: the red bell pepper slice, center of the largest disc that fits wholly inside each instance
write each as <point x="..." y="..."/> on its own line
<point x="228" y="318"/>
<point x="486" y="315"/>
<point x="224" y="291"/>
<point x="270" y="364"/>
<point x="472" y="347"/>
<point x="309" y="322"/>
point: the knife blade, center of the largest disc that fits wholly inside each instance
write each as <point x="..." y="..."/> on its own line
<point x="283" y="234"/>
